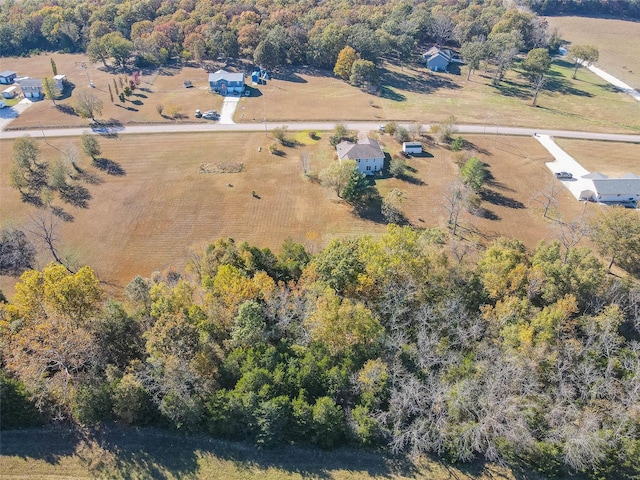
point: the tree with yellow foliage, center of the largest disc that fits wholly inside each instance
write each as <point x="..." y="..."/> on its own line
<point x="50" y="342"/>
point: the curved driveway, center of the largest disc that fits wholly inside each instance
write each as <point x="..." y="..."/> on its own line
<point x="319" y="126"/>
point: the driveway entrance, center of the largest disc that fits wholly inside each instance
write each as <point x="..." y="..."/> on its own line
<point x="229" y="105"/>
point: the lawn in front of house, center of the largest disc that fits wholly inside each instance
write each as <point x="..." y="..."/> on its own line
<point x="409" y="93"/>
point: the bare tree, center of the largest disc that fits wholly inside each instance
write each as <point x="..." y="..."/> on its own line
<point x="71" y="156"/>
<point x="571" y="233"/>
<point x="304" y="161"/>
<point x="454" y="202"/>
<point x="547" y="196"/>
<point x="44" y="226"/>
<point x="442" y="28"/>
<point x="460" y="249"/>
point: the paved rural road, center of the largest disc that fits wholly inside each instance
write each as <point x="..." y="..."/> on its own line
<point x="319" y="126"/>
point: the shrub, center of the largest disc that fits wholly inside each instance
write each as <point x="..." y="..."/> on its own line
<point x="402" y="135"/>
<point x="131" y="402"/>
<point x="280" y="134"/>
<point x="328" y="423"/>
<point x="397" y="166"/>
<point x="390" y="128"/>
<point x="457" y="144"/>
<point x="272" y="419"/>
<point x="173" y="111"/>
<point x="92" y="404"/>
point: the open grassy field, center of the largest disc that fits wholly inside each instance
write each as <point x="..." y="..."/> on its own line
<point x="617" y="42"/>
<point x="413" y="93"/>
<point x="157" y="87"/>
<point x="611" y="159"/>
<point x="115" y="453"/>
<point x="410" y="93"/>
<point x="155" y="203"/>
<point x="159" y="203"/>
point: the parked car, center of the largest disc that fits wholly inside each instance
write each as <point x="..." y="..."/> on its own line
<point x="210" y="115"/>
<point x="563" y="175"/>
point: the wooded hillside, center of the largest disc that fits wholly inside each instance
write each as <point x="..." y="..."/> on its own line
<point x="530" y="358"/>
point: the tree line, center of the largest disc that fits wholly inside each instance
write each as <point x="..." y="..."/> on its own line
<point x="618" y="9"/>
<point x="525" y="357"/>
<point x="151" y="32"/>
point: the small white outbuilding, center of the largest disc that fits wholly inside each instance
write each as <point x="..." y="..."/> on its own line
<point x="412" y="147"/>
<point x="10" y="92"/>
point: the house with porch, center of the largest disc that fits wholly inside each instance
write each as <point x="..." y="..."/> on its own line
<point x="367" y="154"/>
<point x="224" y="82"/>
<point x="439" y="59"/>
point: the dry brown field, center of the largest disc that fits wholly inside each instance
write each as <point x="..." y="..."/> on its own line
<point x="613" y="159"/>
<point x="160" y="87"/>
<point x="411" y="93"/>
<point x="617" y="42"/>
<point x="160" y="206"/>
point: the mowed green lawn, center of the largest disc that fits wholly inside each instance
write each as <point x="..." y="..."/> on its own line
<point x="116" y="453"/>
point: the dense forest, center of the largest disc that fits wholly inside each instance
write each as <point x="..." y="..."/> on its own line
<point x="406" y="342"/>
<point x="152" y="32"/>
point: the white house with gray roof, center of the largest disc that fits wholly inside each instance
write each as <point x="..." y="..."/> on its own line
<point x="225" y="82"/>
<point x="612" y="190"/>
<point x="367" y="153"/>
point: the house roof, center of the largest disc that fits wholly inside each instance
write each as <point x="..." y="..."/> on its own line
<point x="228" y="76"/>
<point x="444" y="53"/>
<point x="7" y="73"/>
<point x="593" y="175"/>
<point x="10" y="89"/>
<point x="366" y="148"/>
<point x="614" y="186"/>
<point x="31" y="83"/>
